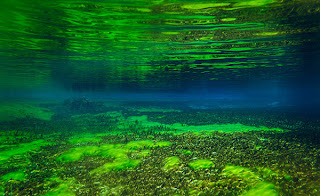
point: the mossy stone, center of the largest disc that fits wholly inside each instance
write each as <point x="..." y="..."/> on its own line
<point x="21" y="149"/>
<point x="187" y="152"/>
<point x="146" y="144"/>
<point x="162" y="144"/>
<point x="144" y="153"/>
<point x="261" y="189"/>
<point x="171" y="162"/>
<point x="201" y="164"/>
<point x="139" y="144"/>
<point x="239" y="171"/>
<point x="18" y="175"/>
<point x="62" y="190"/>
<point x="75" y="154"/>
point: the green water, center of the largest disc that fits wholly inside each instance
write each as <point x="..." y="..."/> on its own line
<point x="151" y="44"/>
<point x="159" y="97"/>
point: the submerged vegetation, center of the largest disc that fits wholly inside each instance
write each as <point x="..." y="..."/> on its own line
<point x="123" y="151"/>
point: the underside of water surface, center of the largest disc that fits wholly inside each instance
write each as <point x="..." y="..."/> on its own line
<point x="160" y="97"/>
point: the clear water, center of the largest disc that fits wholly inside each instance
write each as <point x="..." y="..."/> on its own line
<point x="159" y="97"/>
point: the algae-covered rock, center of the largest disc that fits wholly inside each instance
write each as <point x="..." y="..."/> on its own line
<point x="201" y="164"/>
<point x="146" y="144"/>
<point x="18" y="175"/>
<point x="21" y="149"/>
<point x="270" y="173"/>
<point x="118" y="152"/>
<point x="62" y="190"/>
<point x="144" y="153"/>
<point x="139" y="144"/>
<point x="113" y="151"/>
<point x="239" y="171"/>
<point x="257" y="185"/>
<point x="75" y="154"/>
<point x="162" y="144"/>
<point x="171" y="162"/>
<point x="262" y="189"/>
<point x="187" y="152"/>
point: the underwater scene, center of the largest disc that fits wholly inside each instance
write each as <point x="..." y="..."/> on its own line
<point x="160" y="97"/>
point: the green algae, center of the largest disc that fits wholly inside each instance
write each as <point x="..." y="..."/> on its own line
<point x="113" y="151"/>
<point x="62" y="190"/>
<point x="182" y="128"/>
<point x="146" y="144"/>
<point x="196" y="6"/>
<point x="118" y="152"/>
<point x="258" y="147"/>
<point x="18" y="175"/>
<point x="271" y="173"/>
<point x="11" y="111"/>
<point x="162" y="144"/>
<point x="187" y="152"/>
<point x="171" y="162"/>
<point x="257" y="185"/>
<point x="201" y="164"/>
<point x="226" y="128"/>
<point x="144" y="153"/>
<point x="139" y="144"/>
<point x="239" y="171"/>
<point x="21" y="149"/>
<point x="75" y="154"/>
<point x="261" y="189"/>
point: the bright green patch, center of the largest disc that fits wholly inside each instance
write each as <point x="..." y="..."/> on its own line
<point x="196" y="6"/>
<point x="187" y="152"/>
<point x="75" y="154"/>
<point x="21" y="149"/>
<point x="254" y="3"/>
<point x="253" y="180"/>
<point x="181" y="128"/>
<point x="227" y="128"/>
<point x="144" y="153"/>
<point x="228" y="19"/>
<point x="62" y="190"/>
<point x="113" y="151"/>
<point x="239" y="171"/>
<point x="139" y="144"/>
<point x="262" y="189"/>
<point x="162" y="144"/>
<point x="258" y="147"/>
<point x="18" y="175"/>
<point x="171" y="162"/>
<point x="201" y="164"/>
<point x="270" y="173"/>
<point x="146" y="144"/>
